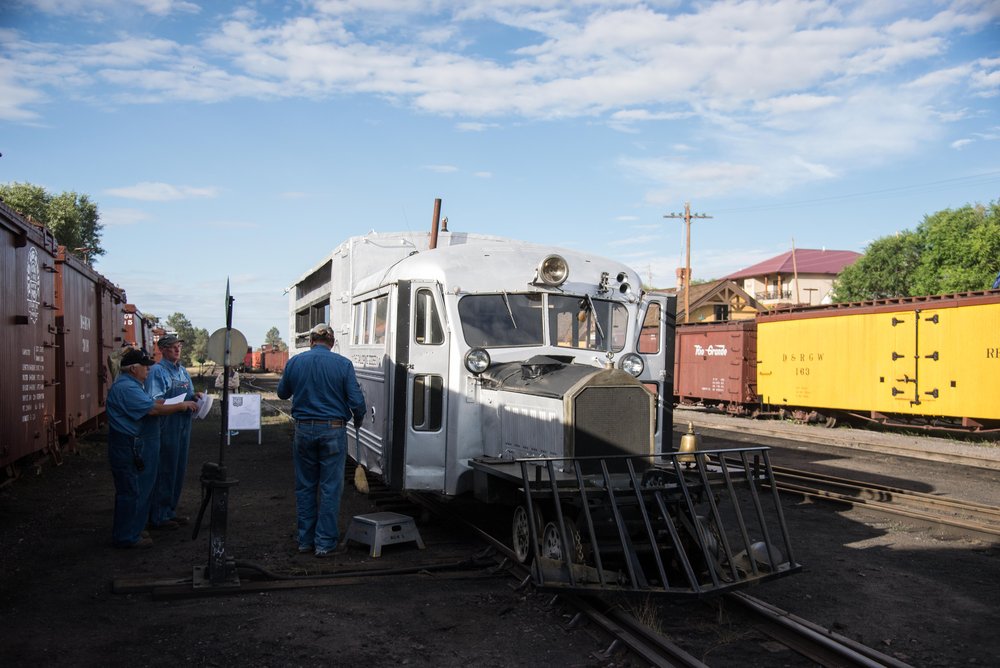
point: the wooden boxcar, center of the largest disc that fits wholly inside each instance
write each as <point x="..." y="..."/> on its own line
<point x="28" y="341"/>
<point x="936" y="358"/>
<point x="715" y="365"/>
<point x="89" y="328"/>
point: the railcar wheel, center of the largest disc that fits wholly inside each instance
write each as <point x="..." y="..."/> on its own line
<point x="521" y="531"/>
<point x="552" y="544"/>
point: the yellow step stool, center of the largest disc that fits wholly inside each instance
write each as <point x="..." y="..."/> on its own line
<point x="378" y="529"/>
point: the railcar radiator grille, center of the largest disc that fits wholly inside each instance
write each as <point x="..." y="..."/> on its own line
<point x="611" y="421"/>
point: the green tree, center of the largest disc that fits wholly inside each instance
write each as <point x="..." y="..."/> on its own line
<point x="950" y="251"/>
<point x="177" y="322"/>
<point x="199" y="348"/>
<point x="885" y="270"/>
<point x="273" y="339"/>
<point x="961" y="250"/>
<point x="72" y="218"/>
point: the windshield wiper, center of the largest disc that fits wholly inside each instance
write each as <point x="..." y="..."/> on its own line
<point x="510" y="312"/>
<point x="597" y="320"/>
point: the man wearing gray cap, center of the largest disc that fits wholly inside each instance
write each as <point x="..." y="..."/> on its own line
<point x="169" y="379"/>
<point x="325" y="397"/>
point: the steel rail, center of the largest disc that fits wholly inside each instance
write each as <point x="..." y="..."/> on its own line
<point x="890" y="500"/>
<point x="811" y="640"/>
<point x="853" y="439"/>
<point x="624" y="629"/>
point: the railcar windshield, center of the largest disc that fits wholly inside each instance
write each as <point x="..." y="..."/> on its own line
<point x="516" y="319"/>
<point x="506" y="319"/>
<point x="591" y="324"/>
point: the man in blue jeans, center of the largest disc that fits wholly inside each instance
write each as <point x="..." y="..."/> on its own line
<point x="134" y="446"/>
<point x="169" y="379"/>
<point x="325" y="397"/>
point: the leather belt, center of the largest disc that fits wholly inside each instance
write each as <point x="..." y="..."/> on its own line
<point x="336" y="424"/>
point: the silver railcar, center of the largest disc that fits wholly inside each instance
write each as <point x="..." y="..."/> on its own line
<point x="540" y="378"/>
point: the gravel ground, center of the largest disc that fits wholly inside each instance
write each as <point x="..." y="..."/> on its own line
<point x="927" y="598"/>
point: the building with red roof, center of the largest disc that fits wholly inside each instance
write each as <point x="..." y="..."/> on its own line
<point x="799" y="276"/>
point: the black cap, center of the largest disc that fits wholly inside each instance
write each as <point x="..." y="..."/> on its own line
<point x="136" y="356"/>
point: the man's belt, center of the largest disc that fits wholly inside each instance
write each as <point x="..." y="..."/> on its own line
<point x="336" y="424"/>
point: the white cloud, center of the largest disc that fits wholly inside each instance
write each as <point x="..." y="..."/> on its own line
<point x="121" y="217"/>
<point x="772" y="94"/>
<point x="960" y="143"/>
<point x="16" y="100"/>
<point x="441" y="169"/>
<point x="99" y="9"/>
<point x="161" y="192"/>
<point x="469" y="126"/>
<point x="483" y="175"/>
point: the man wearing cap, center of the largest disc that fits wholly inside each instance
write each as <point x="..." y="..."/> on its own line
<point x="169" y="379"/>
<point x="325" y="397"/>
<point x="134" y="446"/>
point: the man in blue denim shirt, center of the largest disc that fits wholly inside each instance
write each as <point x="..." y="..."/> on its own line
<point x="325" y="397"/>
<point x="169" y="379"/>
<point x="134" y="446"/>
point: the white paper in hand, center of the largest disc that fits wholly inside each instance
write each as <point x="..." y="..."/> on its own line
<point x="204" y="405"/>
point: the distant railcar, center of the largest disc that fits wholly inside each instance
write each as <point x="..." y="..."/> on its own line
<point x="274" y="360"/>
<point x="932" y="361"/>
<point x="716" y="364"/>
<point x="138" y="328"/>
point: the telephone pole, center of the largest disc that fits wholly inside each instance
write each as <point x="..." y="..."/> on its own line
<point x="687" y="216"/>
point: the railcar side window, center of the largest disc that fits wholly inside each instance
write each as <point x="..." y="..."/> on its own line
<point x="649" y="334"/>
<point x="381" y="309"/>
<point x="428" y="402"/>
<point x="427" y="329"/>
<point x="369" y="321"/>
<point x="308" y="318"/>
<point x="506" y="319"/>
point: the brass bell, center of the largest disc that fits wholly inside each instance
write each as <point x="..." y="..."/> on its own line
<point x="689" y="444"/>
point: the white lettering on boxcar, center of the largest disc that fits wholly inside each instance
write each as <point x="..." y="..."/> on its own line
<point x="34" y="285"/>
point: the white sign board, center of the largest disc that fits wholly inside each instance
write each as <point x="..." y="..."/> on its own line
<point x="244" y="411"/>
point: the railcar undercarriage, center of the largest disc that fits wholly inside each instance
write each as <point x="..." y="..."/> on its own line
<point x="678" y="524"/>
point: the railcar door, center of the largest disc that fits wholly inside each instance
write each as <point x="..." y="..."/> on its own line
<point x="420" y="436"/>
<point x="655" y="344"/>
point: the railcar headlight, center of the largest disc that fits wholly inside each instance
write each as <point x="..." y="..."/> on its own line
<point x="632" y="364"/>
<point x="553" y="270"/>
<point x="477" y="360"/>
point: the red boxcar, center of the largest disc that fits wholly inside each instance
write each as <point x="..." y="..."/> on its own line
<point x="28" y="340"/>
<point x="275" y="360"/>
<point x="89" y="317"/>
<point x="715" y="364"/>
<point x="138" y="328"/>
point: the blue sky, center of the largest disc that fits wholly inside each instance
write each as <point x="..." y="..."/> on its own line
<point x="247" y="139"/>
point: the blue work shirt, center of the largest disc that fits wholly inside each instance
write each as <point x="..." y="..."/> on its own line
<point x="322" y="385"/>
<point x="167" y="380"/>
<point x="127" y="404"/>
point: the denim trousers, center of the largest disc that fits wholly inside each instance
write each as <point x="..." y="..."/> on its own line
<point x="319" y="452"/>
<point x="133" y="488"/>
<point x="175" y="442"/>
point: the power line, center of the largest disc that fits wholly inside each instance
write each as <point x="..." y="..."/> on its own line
<point x="687" y="216"/>
<point x="976" y="179"/>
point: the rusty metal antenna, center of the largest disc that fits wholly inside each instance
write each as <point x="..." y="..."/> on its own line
<point x="687" y="216"/>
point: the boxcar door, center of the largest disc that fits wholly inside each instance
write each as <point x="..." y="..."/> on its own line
<point x="420" y="438"/>
<point x="655" y="345"/>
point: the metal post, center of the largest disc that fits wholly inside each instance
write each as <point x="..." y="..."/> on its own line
<point x="687" y="216"/>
